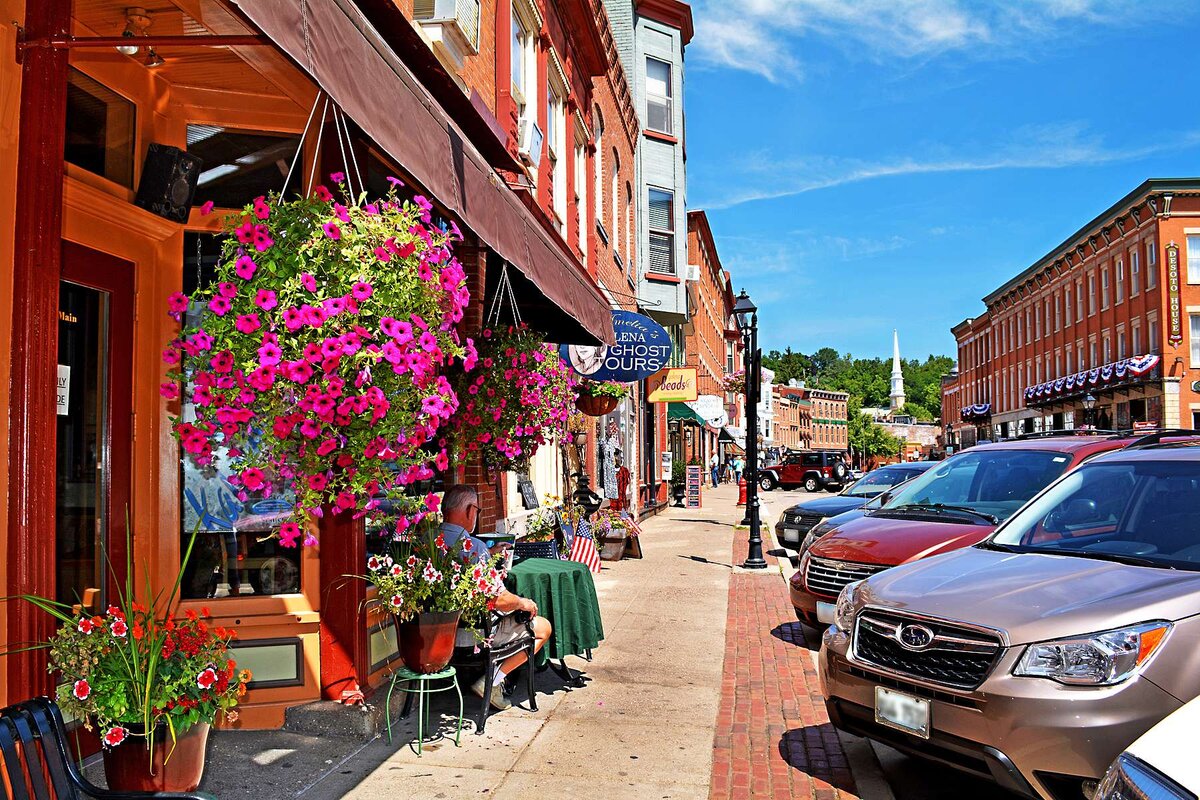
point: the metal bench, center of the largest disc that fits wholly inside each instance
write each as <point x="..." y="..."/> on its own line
<point x="38" y="766"/>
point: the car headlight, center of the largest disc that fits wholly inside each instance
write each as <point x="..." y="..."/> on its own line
<point x="1099" y="659"/>
<point x="816" y="532"/>
<point x="1130" y="778"/>
<point x="843" y="612"/>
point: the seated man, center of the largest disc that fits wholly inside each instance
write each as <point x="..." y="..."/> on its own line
<point x="460" y="514"/>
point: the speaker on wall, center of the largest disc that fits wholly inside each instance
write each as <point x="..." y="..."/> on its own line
<point x="168" y="182"/>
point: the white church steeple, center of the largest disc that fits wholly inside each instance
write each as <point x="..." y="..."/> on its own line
<point x="897" y="393"/>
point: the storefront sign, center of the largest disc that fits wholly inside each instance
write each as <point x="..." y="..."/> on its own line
<point x="695" y="477"/>
<point x="643" y="348"/>
<point x="63" y="392"/>
<point x="667" y="463"/>
<point x="1175" y="318"/>
<point x="672" y="385"/>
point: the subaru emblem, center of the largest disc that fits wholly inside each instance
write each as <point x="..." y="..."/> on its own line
<point x="914" y="637"/>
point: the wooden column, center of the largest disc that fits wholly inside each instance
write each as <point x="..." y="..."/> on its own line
<point x="37" y="263"/>
<point x="345" y="662"/>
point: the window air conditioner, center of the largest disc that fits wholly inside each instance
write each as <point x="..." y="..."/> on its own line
<point x="452" y="27"/>
<point x="529" y="143"/>
<point x="693" y="272"/>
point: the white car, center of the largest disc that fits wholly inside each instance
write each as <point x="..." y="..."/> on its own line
<point x="1161" y="764"/>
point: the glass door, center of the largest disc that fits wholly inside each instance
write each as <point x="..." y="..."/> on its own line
<point x="93" y="400"/>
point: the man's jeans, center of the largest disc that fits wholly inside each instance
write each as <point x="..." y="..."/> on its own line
<point x="715" y="475"/>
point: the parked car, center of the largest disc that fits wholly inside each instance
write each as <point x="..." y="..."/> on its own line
<point x="1034" y="657"/>
<point x="956" y="504"/>
<point x="812" y="469"/>
<point x="795" y="523"/>
<point x="854" y="473"/>
<point x="1161" y="764"/>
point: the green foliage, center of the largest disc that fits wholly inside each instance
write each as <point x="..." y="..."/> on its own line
<point x="868" y="379"/>
<point x="866" y="437"/>
<point x="678" y="472"/>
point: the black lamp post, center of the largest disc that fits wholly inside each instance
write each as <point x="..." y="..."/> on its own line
<point x="746" y="314"/>
<point x="1089" y="410"/>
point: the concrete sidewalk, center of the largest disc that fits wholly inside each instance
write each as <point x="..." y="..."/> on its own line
<point x="641" y="727"/>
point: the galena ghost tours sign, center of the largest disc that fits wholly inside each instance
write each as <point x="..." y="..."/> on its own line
<point x="643" y="348"/>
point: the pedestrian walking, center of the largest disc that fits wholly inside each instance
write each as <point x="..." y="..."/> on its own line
<point x="714" y="466"/>
<point x="738" y="466"/>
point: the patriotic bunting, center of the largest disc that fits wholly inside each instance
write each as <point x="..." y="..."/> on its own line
<point x="1125" y="369"/>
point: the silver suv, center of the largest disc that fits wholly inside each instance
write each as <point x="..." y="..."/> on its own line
<point x="1036" y="656"/>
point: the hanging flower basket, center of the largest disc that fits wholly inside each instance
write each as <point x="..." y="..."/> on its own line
<point x="734" y="382"/>
<point x="314" y="362"/>
<point x="595" y="406"/>
<point x="517" y="400"/>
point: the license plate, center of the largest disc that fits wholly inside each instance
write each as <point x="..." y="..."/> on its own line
<point x="902" y="712"/>
<point x="825" y="612"/>
<point x="790" y="535"/>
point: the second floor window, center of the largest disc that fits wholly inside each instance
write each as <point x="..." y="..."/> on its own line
<point x="1135" y="272"/>
<point x="662" y="231"/>
<point x="522" y="44"/>
<point x="1120" y="281"/>
<point x="658" y="95"/>
<point x="614" y="198"/>
<point x="1193" y="258"/>
<point x="581" y="191"/>
<point x="556" y="147"/>
<point x="1151" y="265"/>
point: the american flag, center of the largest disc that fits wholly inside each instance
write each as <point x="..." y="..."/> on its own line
<point x="583" y="548"/>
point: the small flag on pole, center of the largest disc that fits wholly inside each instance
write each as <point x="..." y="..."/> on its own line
<point x="583" y="548"/>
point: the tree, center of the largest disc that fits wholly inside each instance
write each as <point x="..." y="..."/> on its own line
<point x="866" y="437"/>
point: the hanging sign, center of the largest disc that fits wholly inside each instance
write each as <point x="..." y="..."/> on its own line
<point x="63" y="390"/>
<point x="1175" y="318"/>
<point x="709" y="406"/>
<point x="643" y="348"/>
<point x="672" y="385"/>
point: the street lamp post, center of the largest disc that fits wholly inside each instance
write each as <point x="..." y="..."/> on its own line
<point x="1089" y="410"/>
<point x="747" y="319"/>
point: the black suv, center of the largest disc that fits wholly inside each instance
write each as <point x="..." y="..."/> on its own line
<point x="812" y="469"/>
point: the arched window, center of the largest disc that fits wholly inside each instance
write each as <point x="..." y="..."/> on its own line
<point x="616" y="203"/>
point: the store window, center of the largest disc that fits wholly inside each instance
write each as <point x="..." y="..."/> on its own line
<point x="239" y="166"/>
<point x="100" y="129"/>
<point x="234" y="552"/>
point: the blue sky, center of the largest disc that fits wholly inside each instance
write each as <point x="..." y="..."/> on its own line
<point x="878" y="164"/>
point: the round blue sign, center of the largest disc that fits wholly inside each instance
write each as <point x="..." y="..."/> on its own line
<point x="643" y="348"/>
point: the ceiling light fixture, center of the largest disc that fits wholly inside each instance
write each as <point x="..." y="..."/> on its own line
<point x="136" y="23"/>
<point x="153" y="59"/>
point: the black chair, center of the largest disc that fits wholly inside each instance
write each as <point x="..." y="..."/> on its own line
<point x="38" y="766"/>
<point x="489" y="657"/>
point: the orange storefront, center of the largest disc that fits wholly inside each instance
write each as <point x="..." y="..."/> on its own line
<point x="86" y="272"/>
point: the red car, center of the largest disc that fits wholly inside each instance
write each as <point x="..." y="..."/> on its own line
<point x="955" y="504"/>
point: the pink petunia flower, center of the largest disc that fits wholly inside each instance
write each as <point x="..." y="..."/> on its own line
<point x="265" y="299"/>
<point x="332" y="230"/>
<point x="219" y="305"/>
<point x="322" y="194"/>
<point x="177" y="303"/>
<point x="207" y="208"/>
<point x="248" y="323"/>
<point x="245" y="267"/>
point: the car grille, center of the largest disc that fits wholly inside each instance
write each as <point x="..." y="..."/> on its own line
<point x="804" y="522"/>
<point x="825" y="576"/>
<point x="956" y="656"/>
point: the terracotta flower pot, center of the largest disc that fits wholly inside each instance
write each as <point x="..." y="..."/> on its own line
<point x="129" y="767"/>
<point x="427" y="640"/>
<point x="595" y="406"/>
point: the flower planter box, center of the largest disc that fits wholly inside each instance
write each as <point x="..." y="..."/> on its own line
<point x="613" y="544"/>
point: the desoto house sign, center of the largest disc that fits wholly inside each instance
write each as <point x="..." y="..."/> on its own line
<point x="1175" y="318"/>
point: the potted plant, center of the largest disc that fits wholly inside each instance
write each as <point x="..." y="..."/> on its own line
<point x="148" y="682"/>
<point x="515" y="401"/>
<point x="314" y="361"/>
<point x="541" y="531"/>
<point x="578" y="426"/>
<point x="734" y="382"/>
<point x="597" y="398"/>
<point x="678" y="482"/>
<point x="428" y="587"/>
<point x="610" y="530"/>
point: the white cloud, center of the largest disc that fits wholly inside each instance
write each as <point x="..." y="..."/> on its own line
<point x="764" y="36"/>
<point x="1031" y="147"/>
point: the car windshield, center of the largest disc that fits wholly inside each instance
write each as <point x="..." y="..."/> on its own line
<point x="1138" y="512"/>
<point x="983" y="482"/>
<point x="876" y="482"/>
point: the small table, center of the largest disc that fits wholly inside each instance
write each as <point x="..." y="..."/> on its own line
<point x="566" y="595"/>
<point x="423" y="688"/>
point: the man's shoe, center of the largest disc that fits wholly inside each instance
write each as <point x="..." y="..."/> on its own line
<point x="497" y="700"/>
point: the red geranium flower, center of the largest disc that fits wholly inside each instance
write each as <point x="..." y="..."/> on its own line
<point x="82" y="689"/>
<point x="115" y="735"/>
<point x="207" y="678"/>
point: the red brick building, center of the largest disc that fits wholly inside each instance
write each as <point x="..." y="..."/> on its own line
<point x="820" y="418"/>
<point x="1113" y="311"/>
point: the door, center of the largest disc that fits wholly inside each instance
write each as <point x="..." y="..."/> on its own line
<point x="94" y="402"/>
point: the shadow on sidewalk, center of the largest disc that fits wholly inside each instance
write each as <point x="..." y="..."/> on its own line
<point x="799" y="634"/>
<point x="703" y="560"/>
<point x="825" y="761"/>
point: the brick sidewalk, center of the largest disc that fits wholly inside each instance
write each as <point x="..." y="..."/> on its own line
<point x="773" y="738"/>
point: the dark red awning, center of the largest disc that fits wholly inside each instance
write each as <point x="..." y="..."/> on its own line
<point x="336" y="45"/>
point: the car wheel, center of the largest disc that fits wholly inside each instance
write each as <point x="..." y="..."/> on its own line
<point x="839" y="471"/>
<point x="811" y="484"/>
<point x="767" y="482"/>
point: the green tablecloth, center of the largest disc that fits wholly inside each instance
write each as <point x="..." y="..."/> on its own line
<point x="566" y="595"/>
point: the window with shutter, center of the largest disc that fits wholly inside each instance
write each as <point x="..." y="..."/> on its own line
<point x="662" y="231"/>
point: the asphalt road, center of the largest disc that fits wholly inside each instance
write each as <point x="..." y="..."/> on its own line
<point x="881" y="772"/>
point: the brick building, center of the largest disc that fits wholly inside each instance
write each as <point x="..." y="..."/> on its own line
<point x="793" y="418"/>
<point x="1113" y="311"/>
<point x="820" y="415"/>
